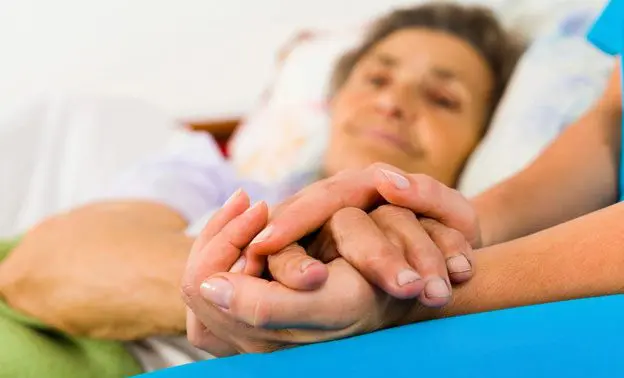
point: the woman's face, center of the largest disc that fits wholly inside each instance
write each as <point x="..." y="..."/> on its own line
<point x="418" y="100"/>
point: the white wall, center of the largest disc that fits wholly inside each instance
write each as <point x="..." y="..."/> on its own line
<point x="193" y="57"/>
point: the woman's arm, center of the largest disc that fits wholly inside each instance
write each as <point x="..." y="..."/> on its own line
<point x="576" y="175"/>
<point x="106" y="270"/>
<point x="581" y="258"/>
<point x="112" y="269"/>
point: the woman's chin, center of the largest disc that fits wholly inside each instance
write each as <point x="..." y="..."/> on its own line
<point x="362" y="159"/>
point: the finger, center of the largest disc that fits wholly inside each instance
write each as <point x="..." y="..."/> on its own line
<point x="236" y="205"/>
<point x="201" y="337"/>
<point x="270" y="305"/>
<point x="255" y="264"/>
<point x="233" y="207"/>
<point x="293" y="268"/>
<point x="224" y="249"/>
<point x="420" y="252"/>
<point x="454" y="247"/>
<point x="360" y="241"/>
<point x="313" y="206"/>
<point x="428" y="197"/>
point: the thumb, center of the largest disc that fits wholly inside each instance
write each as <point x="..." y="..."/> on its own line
<point x="271" y="305"/>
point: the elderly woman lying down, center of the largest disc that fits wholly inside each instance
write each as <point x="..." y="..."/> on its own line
<point x="417" y="94"/>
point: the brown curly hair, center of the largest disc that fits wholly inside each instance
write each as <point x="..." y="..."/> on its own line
<point x="475" y="24"/>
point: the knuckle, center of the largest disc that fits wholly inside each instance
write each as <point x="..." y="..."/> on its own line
<point x="348" y="215"/>
<point x="426" y="256"/>
<point x="332" y="189"/>
<point x="385" y="250"/>
<point x="447" y="239"/>
<point x="392" y="212"/>
<point x="341" y="188"/>
<point x="452" y="241"/>
<point x="278" y="257"/>
<point x="377" y="255"/>
<point x="428" y="189"/>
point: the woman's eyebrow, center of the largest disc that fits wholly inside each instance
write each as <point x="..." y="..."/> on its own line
<point x="448" y="76"/>
<point x="445" y="74"/>
<point x="386" y="60"/>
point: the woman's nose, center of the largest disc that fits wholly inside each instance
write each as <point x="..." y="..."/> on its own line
<point x="393" y="104"/>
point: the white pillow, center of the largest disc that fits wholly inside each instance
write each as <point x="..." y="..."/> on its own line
<point x="556" y="81"/>
<point x="287" y="134"/>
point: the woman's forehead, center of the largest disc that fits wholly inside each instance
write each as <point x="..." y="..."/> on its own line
<point x="440" y="54"/>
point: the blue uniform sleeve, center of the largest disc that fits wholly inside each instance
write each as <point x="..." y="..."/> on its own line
<point x="607" y="32"/>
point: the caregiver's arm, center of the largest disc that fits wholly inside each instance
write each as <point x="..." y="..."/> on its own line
<point x="576" y="175"/>
<point x="581" y="258"/>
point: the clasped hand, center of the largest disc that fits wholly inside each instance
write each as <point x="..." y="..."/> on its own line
<point x="358" y="252"/>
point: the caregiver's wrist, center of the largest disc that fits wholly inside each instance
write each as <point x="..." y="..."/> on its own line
<point x="492" y="209"/>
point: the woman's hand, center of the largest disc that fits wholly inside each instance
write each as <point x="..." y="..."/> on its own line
<point x="233" y="312"/>
<point x="447" y="232"/>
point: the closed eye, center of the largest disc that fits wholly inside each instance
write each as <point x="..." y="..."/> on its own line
<point x="444" y="101"/>
<point x="377" y="81"/>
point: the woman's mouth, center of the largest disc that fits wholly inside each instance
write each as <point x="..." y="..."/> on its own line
<point x="393" y="139"/>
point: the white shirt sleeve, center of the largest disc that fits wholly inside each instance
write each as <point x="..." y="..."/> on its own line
<point x="191" y="176"/>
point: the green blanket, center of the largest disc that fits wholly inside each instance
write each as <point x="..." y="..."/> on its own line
<point x="31" y="349"/>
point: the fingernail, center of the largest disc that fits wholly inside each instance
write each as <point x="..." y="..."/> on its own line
<point x="437" y="288"/>
<point x="306" y="264"/>
<point x="458" y="264"/>
<point x="233" y="196"/>
<point x="255" y="205"/>
<point x="239" y="265"/>
<point x="218" y="291"/>
<point x="396" y="179"/>
<point x="264" y="235"/>
<point x="407" y="276"/>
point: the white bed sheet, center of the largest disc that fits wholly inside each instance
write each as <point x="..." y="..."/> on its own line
<point x="61" y="151"/>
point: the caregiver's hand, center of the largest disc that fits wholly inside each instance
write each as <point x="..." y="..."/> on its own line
<point x="449" y="225"/>
<point x="249" y="314"/>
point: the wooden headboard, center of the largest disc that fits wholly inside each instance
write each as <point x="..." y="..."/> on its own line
<point x="221" y="129"/>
